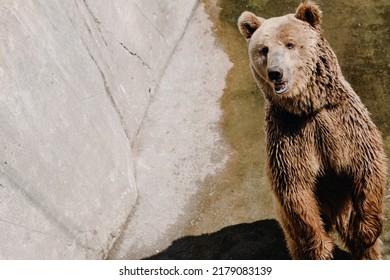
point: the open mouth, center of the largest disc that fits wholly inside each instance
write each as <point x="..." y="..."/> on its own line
<point x="281" y="87"/>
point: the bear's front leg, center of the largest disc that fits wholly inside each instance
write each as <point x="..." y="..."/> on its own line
<point x="302" y="225"/>
<point x="293" y="168"/>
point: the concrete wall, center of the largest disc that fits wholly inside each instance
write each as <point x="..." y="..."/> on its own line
<point x="77" y="78"/>
<point x="179" y="143"/>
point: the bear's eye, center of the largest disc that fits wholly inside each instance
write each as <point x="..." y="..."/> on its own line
<point x="263" y="50"/>
<point x="290" y="45"/>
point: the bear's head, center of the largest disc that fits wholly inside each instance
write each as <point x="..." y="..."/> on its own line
<point x="287" y="54"/>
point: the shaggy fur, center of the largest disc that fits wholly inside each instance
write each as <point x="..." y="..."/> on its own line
<point x="326" y="163"/>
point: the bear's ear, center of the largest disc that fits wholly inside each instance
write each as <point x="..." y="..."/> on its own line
<point x="248" y="24"/>
<point x="310" y="13"/>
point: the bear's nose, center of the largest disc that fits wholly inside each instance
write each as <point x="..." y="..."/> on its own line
<point x="275" y="74"/>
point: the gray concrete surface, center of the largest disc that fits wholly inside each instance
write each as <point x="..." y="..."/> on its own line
<point x="108" y="120"/>
<point x="179" y="144"/>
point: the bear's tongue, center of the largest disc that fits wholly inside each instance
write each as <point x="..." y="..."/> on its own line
<point x="280" y="87"/>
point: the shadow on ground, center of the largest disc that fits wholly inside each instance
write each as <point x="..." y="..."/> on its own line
<point x="261" y="240"/>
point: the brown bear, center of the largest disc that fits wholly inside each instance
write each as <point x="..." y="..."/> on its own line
<point x="325" y="159"/>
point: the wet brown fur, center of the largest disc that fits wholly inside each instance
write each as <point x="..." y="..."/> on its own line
<point x="326" y="163"/>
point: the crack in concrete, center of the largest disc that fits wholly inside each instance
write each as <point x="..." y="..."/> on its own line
<point x="99" y="25"/>
<point x="109" y="255"/>
<point x="119" y="240"/>
<point x="110" y="243"/>
<point x="101" y="72"/>
<point x="136" y="55"/>
<point x="95" y="19"/>
<point x="105" y="252"/>
<point x="98" y="22"/>
<point x="110" y="95"/>
<point x="168" y="60"/>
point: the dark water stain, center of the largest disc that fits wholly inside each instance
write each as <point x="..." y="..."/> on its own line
<point x="358" y="31"/>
